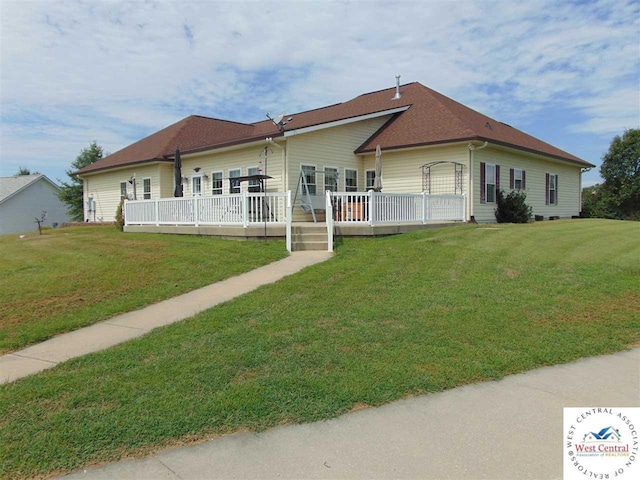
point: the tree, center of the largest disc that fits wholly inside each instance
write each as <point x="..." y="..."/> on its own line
<point x="619" y="194"/>
<point x="71" y="193"/>
<point x="25" y="171"/>
<point x="590" y="201"/>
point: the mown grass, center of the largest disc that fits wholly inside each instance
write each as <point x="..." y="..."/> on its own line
<point x="384" y="319"/>
<point x="69" y="278"/>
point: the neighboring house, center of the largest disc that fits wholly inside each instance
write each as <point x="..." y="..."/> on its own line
<point x="413" y="125"/>
<point x="23" y="198"/>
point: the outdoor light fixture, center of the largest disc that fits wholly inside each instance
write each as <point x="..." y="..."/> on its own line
<point x="197" y="169"/>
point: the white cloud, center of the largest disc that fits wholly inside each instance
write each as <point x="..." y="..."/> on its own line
<point x="117" y="69"/>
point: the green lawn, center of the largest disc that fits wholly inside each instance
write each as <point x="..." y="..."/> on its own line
<point x="73" y="277"/>
<point x="384" y="319"/>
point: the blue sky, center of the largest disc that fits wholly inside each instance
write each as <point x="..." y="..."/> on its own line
<point x="72" y="72"/>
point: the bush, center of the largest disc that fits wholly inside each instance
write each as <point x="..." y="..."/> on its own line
<point x="120" y="215"/>
<point x="512" y="208"/>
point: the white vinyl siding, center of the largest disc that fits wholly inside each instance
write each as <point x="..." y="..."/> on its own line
<point x="105" y="187"/>
<point x="536" y="168"/>
<point x="330" y="147"/>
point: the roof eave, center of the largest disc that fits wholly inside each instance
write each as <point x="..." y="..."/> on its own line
<point x="577" y="161"/>
<point x="219" y="146"/>
<point x="582" y="163"/>
<point x="80" y="173"/>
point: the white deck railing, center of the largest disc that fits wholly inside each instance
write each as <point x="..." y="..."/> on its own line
<point x="372" y="208"/>
<point x="379" y="208"/>
<point x="240" y="209"/>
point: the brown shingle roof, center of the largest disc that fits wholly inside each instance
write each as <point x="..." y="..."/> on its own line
<point x="431" y="118"/>
<point x="434" y="118"/>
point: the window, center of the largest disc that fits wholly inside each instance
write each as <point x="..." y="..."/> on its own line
<point x="146" y="188"/>
<point x="254" y="185"/>
<point x="123" y="189"/>
<point x="490" y="183"/>
<point x="196" y="186"/>
<point x="370" y="177"/>
<point x="517" y="179"/>
<point x="330" y="179"/>
<point x="350" y="180"/>
<point x="310" y="177"/>
<point x="216" y="183"/>
<point x="234" y="185"/>
<point x="552" y="189"/>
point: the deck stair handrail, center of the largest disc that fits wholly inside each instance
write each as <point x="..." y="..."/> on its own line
<point x="329" y="220"/>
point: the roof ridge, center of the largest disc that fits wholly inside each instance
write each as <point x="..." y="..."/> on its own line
<point x="176" y="134"/>
<point x="384" y="90"/>
<point x="341" y="103"/>
<point x="305" y="111"/>
<point x="221" y="120"/>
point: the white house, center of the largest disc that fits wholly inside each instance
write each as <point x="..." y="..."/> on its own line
<point x="431" y="146"/>
<point x="24" y="198"/>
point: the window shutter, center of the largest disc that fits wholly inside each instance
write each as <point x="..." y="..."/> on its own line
<point x="524" y="183"/>
<point x="497" y="179"/>
<point x="557" y="190"/>
<point x="483" y="185"/>
<point x="511" y="175"/>
<point x="546" y="189"/>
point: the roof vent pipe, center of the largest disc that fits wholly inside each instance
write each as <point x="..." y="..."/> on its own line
<point x="397" y="95"/>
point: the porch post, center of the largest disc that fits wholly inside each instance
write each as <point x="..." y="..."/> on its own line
<point x="245" y="209"/>
<point x="329" y="218"/>
<point x="464" y="207"/>
<point x="370" y="207"/>
<point x="424" y="208"/>
<point x="157" y="211"/>
<point x="289" y="214"/>
<point x="196" y="212"/>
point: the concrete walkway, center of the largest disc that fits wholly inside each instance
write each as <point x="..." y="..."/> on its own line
<point x="509" y="429"/>
<point x="135" y="324"/>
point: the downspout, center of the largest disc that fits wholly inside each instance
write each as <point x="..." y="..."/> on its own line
<point x="472" y="148"/>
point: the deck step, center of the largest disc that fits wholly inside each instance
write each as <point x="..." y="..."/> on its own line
<point x="300" y="246"/>
<point x="308" y="230"/>
<point x="309" y="236"/>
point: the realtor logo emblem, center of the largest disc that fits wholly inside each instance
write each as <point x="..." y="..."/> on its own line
<point x="601" y="443"/>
